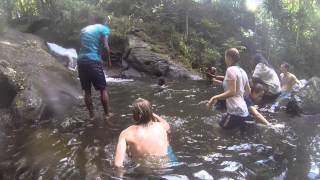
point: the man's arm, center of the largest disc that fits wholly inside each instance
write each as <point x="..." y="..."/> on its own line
<point x="296" y="80"/>
<point x="216" y="81"/>
<point x="106" y="46"/>
<point x="259" y="117"/>
<point x="120" y="151"/>
<point x="221" y="78"/>
<point x="161" y="120"/>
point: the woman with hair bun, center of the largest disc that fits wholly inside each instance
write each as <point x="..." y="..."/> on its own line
<point x="236" y="86"/>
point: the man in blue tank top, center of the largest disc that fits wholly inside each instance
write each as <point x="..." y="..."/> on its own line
<point x="94" y="39"/>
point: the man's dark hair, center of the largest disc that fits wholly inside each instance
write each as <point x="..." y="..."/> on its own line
<point x="234" y="54"/>
<point x="286" y="65"/>
<point x="100" y="20"/>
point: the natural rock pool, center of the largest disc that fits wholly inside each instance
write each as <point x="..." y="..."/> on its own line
<point x="77" y="148"/>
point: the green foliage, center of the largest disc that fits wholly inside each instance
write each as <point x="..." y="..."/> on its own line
<point x="3" y="24"/>
<point x="291" y="33"/>
<point x="233" y="43"/>
<point x="72" y="16"/>
<point x="3" y="20"/>
<point x="196" y="51"/>
<point x="211" y="56"/>
<point x="194" y="32"/>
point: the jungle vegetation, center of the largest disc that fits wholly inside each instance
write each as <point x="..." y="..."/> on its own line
<point x="195" y="32"/>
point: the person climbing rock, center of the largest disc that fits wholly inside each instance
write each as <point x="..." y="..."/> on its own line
<point x="94" y="39"/>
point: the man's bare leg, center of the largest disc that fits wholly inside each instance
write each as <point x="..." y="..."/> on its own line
<point x="88" y="102"/>
<point x="105" y="101"/>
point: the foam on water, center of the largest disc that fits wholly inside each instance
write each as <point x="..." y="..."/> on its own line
<point x="117" y="80"/>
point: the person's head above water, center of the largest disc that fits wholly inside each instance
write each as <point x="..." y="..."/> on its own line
<point x="284" y="67"/>
<point x="142" y="111"/>
<point x="232" y="56"/>
<point x="212" y="70"/>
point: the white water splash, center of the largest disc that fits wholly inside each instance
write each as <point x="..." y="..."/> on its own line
<point x="203" y="175"/>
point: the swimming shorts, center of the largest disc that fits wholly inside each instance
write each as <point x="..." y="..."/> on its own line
<point x="172" y="157"/>
<point x="91" y="72"/>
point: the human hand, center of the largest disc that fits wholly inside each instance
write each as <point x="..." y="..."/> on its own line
<point x="215" y="81"/>
<point x="211" y="102"/>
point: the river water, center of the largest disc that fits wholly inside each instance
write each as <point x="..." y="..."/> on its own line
<point x="77" y="148"/>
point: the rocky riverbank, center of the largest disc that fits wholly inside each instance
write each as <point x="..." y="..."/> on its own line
<point x="34" y="85"/>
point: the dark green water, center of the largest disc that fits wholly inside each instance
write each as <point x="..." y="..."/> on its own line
<point x="76" y="148"/>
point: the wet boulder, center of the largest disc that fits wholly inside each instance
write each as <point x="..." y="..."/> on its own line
<point x="142" y="58"/>
<point x="36" y="85"/>
<point x="8" y="87"/>
<point x="178" y="71"/>
<point x="307" y="100"/>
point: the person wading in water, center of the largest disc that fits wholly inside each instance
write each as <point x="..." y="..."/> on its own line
<point x="93" y="40"/>
<point x="236" y="86"/>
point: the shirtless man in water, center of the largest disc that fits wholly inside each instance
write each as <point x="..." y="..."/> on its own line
<point x="288" y="80"/>
<point x="148" y="137"/>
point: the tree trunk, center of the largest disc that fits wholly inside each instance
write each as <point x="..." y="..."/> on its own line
<point x="187" y="24"/>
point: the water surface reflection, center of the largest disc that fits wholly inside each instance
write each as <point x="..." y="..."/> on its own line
<point x="77" y="148"/>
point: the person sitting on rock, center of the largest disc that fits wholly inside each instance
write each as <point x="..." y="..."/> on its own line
<point x="147" y="140"/>
<point x="255" y="96"/>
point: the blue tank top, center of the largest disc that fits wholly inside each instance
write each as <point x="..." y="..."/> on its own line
<point x="91" y="41"/>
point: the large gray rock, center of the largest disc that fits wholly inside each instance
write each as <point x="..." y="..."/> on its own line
<point x="142" y="58"/>
<point x="38" y="86"/>
<point x="147" y="61"/>
<point x="307" y="100"/>
<point x="8" y="87"/>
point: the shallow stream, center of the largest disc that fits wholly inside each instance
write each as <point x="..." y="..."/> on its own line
<point x="77" y="148"/>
